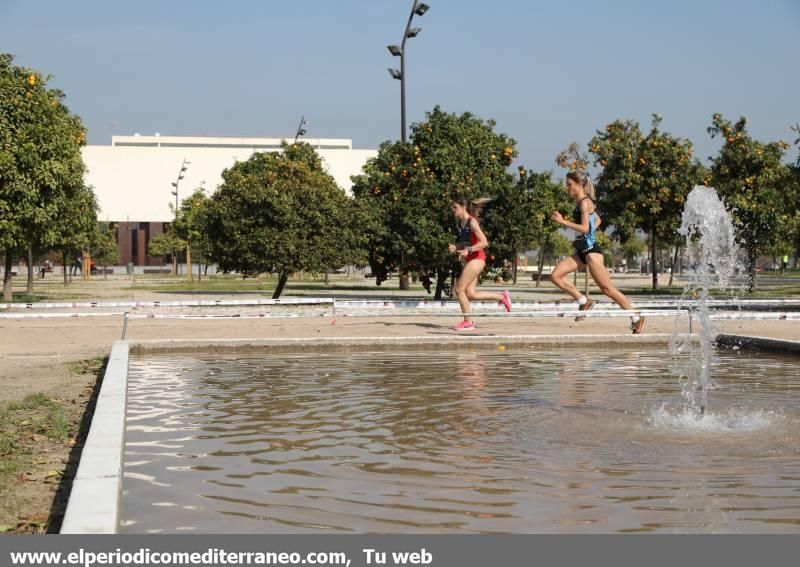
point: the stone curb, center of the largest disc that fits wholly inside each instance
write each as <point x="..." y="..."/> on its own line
<point x="763" y="344"/>
<point x="94" y="502"/>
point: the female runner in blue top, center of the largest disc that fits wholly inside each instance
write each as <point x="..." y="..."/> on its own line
<point x="585" y="222"/>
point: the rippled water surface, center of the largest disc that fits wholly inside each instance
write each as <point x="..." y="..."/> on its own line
<point x="478" y="441"/>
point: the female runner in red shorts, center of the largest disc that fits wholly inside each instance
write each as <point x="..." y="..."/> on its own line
<point x="471" y="249"/>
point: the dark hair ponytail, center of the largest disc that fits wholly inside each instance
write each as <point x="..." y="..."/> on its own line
<point x="473" y="206"/>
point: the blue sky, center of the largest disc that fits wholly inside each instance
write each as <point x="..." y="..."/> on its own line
<point x="548" y="72"/>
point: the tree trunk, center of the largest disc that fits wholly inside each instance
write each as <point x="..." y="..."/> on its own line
<point x="403" y="273"/>
<point x="105" y="271"/>
<point x="586" y="280"/>
<point x="7" y="291"/>
<point x="281" y="283"/>
<point x="653" y="255"/>
<point x="199" y="271"/>
<point x="441" y="279"/>
<point x="174" y="262"/>
<point x="404" y="284"/>
<point x="753" y="257"/>
<point x="542" y="254"/>
<point x="674" y="263"/>
<point x="516" y="261"/>
<point x="327" y="279"/>
<point x="64" y="262"/>
<point x="189" y="259"/>
<point x="29" y="260"/>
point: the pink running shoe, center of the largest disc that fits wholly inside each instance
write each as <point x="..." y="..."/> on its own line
<point x="465" y="326"/>
<point x="506" y="301"/>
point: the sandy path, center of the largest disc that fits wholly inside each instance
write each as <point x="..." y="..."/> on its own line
<point x="34" y="352"/>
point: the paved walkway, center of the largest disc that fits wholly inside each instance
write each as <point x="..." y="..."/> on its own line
<point x="34" y="352"/>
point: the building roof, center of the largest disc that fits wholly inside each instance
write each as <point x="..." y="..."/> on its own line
<point x="224" y="142"/>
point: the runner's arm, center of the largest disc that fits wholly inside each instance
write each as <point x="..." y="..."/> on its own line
<point x="482" y="241"/>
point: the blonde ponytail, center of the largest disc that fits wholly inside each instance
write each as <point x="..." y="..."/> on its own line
<point x="583" y="179"/>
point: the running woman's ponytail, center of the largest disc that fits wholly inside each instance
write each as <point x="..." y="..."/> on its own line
<point x="473" y="206"/>
<point x="583" y="179"/>
<point x="476" y="205"/>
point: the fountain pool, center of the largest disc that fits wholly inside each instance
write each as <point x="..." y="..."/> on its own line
<point x="466" y="441"/>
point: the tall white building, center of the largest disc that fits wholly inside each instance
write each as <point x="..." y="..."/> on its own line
<point x="133" y="177"/>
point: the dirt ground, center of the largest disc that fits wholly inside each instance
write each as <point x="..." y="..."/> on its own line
<point x="41" y="441"/>
<point x="35" y="353"/>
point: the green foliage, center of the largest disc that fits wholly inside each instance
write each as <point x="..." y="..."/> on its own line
<point x="188" y="226"/>
<point x="41" y="170"/>
<point x="755" y="184"/>
<point x="72" y="230"/>
<point x="103" y="246"/>
<point x="560" y="246"/>
<point x="792" y="233"/>
<point x="796" y="130"/>
<point x="519" y="217"/>
<point x="280" y="212"/>
<point x="644" y="181"/>
<point x="162" y="245"/>
<point x="633" y="248"/>
<point x="407" y="191"/>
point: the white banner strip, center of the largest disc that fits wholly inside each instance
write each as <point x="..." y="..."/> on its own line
<point x="753" y="315"/>
<point x="186" y="303"/>
<point x="373" y="303"/>
<point x="60" y="315"/>
<point x="717" y="315"/>
<point x="551" y="305"/>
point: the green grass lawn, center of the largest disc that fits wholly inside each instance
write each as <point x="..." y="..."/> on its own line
<point x="21" y="423"/>
<point x="114" y="288"/>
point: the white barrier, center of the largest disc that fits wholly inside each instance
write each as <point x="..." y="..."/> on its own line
<point x="387" y="304"/>
<point x="536" y="305"/>
<point x="185" y="303"/>
<point x="763" y="316"/>
<point x="60" y="315"/>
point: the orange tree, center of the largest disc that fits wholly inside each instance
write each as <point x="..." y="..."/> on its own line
<point x="74" y="228"/>
<point x="279" y="212"/>
<point x="522" y="218"/>
<point x="188" y="228"/>
<point x="794" y="217"/>
<point x="103" y="246"/>
<point x="519" y="217"/>
<point x="756" y="185"/>
<point x="407" y="190"/>
<point x="644" y="181"/>
<point x="41" y="170"/>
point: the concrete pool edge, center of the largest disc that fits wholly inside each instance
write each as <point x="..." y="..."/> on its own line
<point x="94" y="504"/>
<point x="759" y="344"/>
<point x="432" y="342"/>
<point x="95" y="497"/>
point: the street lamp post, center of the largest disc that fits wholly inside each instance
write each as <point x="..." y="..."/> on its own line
<point x="417" y="8"/>
<point x="175" y="192"/>
<point x="300" y="130"/>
